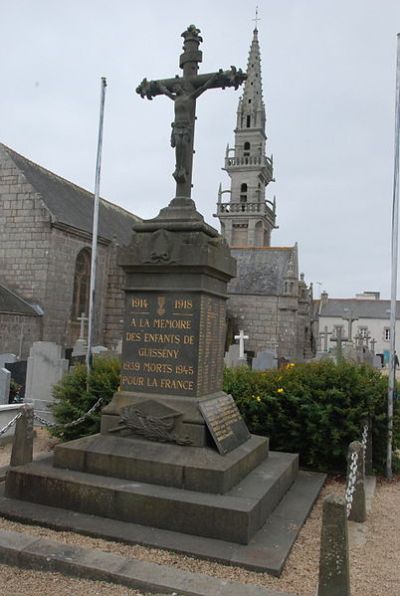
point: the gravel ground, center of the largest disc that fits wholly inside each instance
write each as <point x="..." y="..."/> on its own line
<point x="375" y="560"/>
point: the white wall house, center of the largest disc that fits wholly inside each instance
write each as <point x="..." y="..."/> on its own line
<point x="363" y="319"/>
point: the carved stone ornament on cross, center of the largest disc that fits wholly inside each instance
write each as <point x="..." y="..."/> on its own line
<point x="184" y="91"/>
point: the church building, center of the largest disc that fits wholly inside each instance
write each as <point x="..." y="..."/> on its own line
<point x="45" y="254"/>
<point x="268" y="299"/>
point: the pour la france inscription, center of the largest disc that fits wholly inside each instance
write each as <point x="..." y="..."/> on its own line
<point x="160" y="345"/>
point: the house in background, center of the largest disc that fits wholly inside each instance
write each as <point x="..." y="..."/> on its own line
<point x="45" y="253"/>
<point x="363" y="320"/>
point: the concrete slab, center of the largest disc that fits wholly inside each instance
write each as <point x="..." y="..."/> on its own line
<point x="266" y="552"/>
<point x="48" y="555"/>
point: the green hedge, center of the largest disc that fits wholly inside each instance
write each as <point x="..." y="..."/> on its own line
<point x="315" y="409"/>
<point x="72" y="398"/>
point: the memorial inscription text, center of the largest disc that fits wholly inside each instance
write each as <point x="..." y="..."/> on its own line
<point x="159" y="353"/>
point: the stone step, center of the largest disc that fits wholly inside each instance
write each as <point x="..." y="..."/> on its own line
<point x="191" y="468"/>
<point x="235" y="516"/>
<point x="267" y="551"/>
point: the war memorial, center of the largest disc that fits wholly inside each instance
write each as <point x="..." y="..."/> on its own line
<point x="174" y="461"/>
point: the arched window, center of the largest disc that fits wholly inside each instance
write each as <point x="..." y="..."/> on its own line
<point x="248" y="122"/>
<point x="246" y="149"/>
<point x="80" y="302"/>
<point x="243" y="193"/>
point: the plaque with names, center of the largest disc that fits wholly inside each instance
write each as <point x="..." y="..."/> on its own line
<point x="225" y="423"/>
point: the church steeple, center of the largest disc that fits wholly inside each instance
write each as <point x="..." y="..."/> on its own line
<point x="248" y="218"/>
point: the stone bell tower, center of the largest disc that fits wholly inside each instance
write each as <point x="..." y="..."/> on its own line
<point x="248" y="218"/>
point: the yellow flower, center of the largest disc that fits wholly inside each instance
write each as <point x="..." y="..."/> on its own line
<point x="280" y="390"/>
<point x="258" y="398"/>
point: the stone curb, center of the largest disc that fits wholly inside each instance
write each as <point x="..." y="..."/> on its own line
<point x="29" y="552"/>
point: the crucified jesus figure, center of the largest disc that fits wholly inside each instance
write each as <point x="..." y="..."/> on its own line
<point x="184" y="91"/>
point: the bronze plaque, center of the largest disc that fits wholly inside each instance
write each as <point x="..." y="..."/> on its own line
<point x="211" y="344"/>
<point x="160" y="344"/>
<point x="225" y="423"/>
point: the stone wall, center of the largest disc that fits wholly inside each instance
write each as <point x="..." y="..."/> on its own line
<point x="271" y="322"/>
<point x="11" y="327"/>
<point x="64" y="249"/>
<point x="24" y="234"/>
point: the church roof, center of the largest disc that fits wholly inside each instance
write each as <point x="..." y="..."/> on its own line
<point x="71" y="205"/>
<point x="13" y="304"/>
<point x="262" y="270"/>
<point x="362" y="309"/>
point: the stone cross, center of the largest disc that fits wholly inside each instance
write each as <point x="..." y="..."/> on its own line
<point x="83" y="318"/>
<point x="325" y="334"/>
<point x="241" y="337"/>
<point x="373" y="343"/>
<point x="350" y="320"/>
<point x="339" y="339"/>
<point x="184" y="91"/>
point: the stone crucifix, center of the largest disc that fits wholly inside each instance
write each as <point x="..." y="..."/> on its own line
<point x="184" y="91"/>
<point x="324" y="334"/>
<point x="241" y="337"/>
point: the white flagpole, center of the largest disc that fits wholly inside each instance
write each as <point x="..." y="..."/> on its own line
<point x="395" y="233"/>
<point x="92" y="294"/>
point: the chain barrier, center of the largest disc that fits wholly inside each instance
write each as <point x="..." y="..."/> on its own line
<point x="351" y="480"/>
<point x="10" y="424"/>
<point x="48" y="424"/>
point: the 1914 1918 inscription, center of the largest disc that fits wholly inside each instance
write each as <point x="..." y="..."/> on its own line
<point x="159" y="353"/>
<point x="225" y="423"/>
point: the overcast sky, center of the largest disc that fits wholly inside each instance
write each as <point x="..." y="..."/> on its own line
<point x="328" y="78"/>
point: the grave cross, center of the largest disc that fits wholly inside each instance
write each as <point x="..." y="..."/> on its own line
<point x="82" y="320"/>
<point x="325" y="334"/>
<point x="241" y="337"/>
<point x="350" y="318"/>
<point x="373" y="343"/>
<point x="184" y="91"/>
<point x="339" y="340"/>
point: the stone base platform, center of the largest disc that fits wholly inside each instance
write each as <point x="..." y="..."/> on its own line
<point x="234" y="516"/>
<point x="266" y="552"/>
<point x="188" y="468"/>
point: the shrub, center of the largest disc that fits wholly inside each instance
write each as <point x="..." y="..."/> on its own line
<point x="73" y="398"/>
<point x="315" y="409"/>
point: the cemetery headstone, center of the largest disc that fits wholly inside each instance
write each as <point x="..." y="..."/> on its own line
<point x="18" y="374"/>
<point x="7" y="358"/>
<point x="46" y="367"/>
<point x="334" y="566"/>
<point x="265" y="360"/>
<point x="80" y="346"/>
<point x="232" y="357"/>
<point x="5" y="380"/>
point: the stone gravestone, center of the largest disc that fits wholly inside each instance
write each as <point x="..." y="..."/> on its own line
<point x="7" y="358"/>
<point x="265" y="360"/>
<point x="80" y="346"/>
<point x="18" y="374"/>
<point x="46" y="367"/>
<point x="5" y="380"/>
<point x="232" y="356"/>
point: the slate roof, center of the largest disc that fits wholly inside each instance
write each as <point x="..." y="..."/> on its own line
<point x="11" y="303"/>
<point x="363" y="309"/>
<point x="261" y="270"/>
<point x="71" y="205"/>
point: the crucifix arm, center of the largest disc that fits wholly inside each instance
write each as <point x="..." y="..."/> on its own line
<point x="221" y="79"/>
<point x="150" y="89"/>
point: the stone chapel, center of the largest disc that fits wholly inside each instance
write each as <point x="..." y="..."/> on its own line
<point x="45" y="252"/>
<point x="268" y="299"/>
